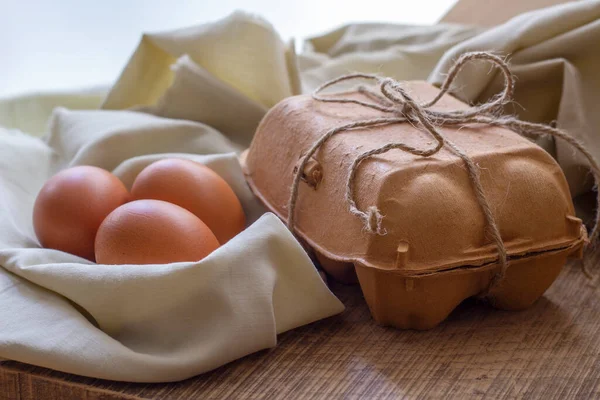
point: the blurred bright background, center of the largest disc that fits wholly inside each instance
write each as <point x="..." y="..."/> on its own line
<point x="68" y="44"/>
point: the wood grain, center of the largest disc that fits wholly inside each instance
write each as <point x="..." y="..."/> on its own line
<point x="549" y="351"/>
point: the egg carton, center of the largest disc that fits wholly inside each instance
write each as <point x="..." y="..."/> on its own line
<point x="433" y="250"/>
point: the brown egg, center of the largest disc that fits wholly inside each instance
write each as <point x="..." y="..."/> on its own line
<point x="72" y="205"/>
<point x="196" y="188"/>
<point x="153" y="232"/>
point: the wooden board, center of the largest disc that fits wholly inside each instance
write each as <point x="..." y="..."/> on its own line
<point x="551" y="350"/>
<point x="492" y="12"/>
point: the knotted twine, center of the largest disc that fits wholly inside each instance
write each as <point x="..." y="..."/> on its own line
<point x="394" y="100"/>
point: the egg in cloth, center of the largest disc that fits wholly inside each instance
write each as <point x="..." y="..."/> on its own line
<point x="196" y="188"/>
<point x="153" y="232"/>
<point x="71" y="206"/>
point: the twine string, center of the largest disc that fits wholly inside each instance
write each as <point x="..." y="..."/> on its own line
<point x="393" y="99"/>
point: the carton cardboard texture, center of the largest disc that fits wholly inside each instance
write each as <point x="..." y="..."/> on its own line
<point x="435" y="252"/>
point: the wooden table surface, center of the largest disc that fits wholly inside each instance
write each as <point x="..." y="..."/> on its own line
<point x="551" y="350"/>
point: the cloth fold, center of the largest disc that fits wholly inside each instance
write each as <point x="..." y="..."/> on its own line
<point x="552" y="54"/>
<point x="29" y="113"/>
<point x="153" y="323"/>
<point x="167" y="322"/>
<point x="242" y="51"/>
<point x="402" y="52"/>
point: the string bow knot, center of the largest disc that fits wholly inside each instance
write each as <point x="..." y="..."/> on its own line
<point x="397" y="106"/>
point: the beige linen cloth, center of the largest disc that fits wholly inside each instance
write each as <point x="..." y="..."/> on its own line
<point x="555" y="55"/>
<point x="155" y="323"/>
<point x="152" y="322"/>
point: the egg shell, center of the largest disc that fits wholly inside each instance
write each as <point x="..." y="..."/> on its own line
<point x="153" y="232"/>
<point x="71" y="206"/>
<point x="196" y="188"/>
